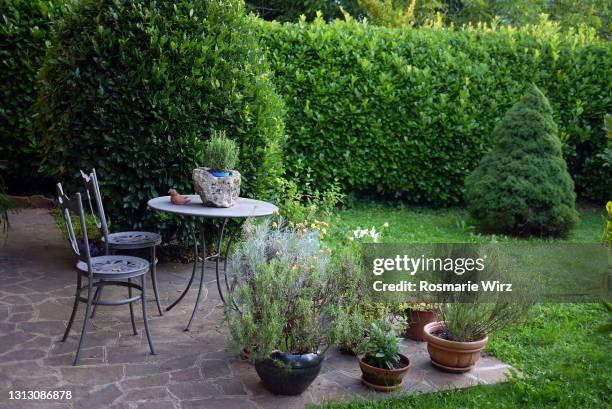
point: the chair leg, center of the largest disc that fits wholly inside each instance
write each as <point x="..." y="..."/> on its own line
<point x="154" y="281"/>
<point x="97" y="297"/>
<point x="74" y="308"/>
<point x="85" y="322"/>
<point x="143" y="299"/>
<point x="132" y="308"/>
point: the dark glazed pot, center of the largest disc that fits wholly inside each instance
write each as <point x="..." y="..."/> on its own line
<point x="288" y="374"/>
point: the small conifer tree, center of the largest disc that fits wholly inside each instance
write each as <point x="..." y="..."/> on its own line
<point x="522" y="186"/>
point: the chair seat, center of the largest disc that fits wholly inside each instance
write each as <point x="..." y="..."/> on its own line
<point x="115" y="267"/>
<point x="127" y="240"/>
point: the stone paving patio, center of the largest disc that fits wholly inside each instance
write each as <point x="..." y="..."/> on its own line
<point x="192" y="369"/>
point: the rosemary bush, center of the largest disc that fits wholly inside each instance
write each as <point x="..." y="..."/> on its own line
<point x="287" y="293"/>
<point x="220" y="153"/>
<point x="472" y="321"/>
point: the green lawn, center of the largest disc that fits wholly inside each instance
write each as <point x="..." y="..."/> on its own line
<point x="423" y="225"/>
<point x="566" y="362"/>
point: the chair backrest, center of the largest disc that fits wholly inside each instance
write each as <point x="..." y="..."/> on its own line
<point x="70" y="206"/>
<point x="93" y="195"/>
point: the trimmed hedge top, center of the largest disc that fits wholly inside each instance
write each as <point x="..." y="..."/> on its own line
<point x="409" y="113"/>
<point x="134" y="88"/>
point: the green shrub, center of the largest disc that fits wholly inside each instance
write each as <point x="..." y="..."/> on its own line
<point x="381" y="347"/>
<point x="472" y="321"/>
<point x="221" y="153"/>
<point x="408" y="113"/>
<point x="288" y="293"/>
<point x="25" y="27"/>
<point x="522" y="185"/>
<point x="134" y="89"/>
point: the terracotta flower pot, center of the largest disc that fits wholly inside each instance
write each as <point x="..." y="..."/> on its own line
<point x="451" y="356"/>
<point x="383" y="380"/>
<point x="417" y="321"/>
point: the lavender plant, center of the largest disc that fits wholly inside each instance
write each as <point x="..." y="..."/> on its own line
<point x="288" y="292"/>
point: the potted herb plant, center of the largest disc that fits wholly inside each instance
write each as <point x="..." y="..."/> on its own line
<point x="417" y="315"/>
<point x="456" y="342"/>
<point x="218" y="184"/>
<point x="382" y="365"/>
<point x="283" y="304"/>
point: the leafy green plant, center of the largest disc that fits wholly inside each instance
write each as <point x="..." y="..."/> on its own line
<point x="286" y="292"/>
<point x="220" y="153"/>
<point x="388" y="14"/>
<point x="303" y="202"/>
<point x="522" y="186"/>
<point x="93" y="233"/>
<point x="135" y="88"/>
<point x="291" y="10"/>
<point x="357" y="313"/>
<point x="306" y="207"/>
<point x="408" y="113"/>
<point x="381" y="347"/>
<point x="405" y="307"/>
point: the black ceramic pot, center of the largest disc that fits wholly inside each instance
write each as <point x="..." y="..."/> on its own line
<point x="288" y="374"/>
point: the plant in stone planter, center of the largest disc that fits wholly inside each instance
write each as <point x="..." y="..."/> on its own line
<point x="455" y="342"/>
<point x="284" y="303"/>
<point x="382" y="365"/>
<point x="218" y="184"/>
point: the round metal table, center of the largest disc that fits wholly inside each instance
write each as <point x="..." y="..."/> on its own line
<point x="243" y="209"/>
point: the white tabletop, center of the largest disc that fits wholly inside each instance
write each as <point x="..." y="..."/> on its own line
<point x="243" y="208"/>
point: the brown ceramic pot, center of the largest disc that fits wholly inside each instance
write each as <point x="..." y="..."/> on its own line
<point x="383" y="380"/>
<point x="417" y="321"/>
<point x="451" y="356"/>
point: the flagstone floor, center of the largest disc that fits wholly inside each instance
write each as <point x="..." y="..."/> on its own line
<point x="192" y="369"/>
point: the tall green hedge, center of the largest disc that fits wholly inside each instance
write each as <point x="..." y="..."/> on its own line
<point x="135" y="88"/>
<point x="25" y="27"/>
<point x="408" y="113"/>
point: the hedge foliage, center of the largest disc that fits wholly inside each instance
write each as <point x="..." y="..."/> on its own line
<point x="25" y="27"/>
<point x="521" y="186"/>
<point x="409" y="113"/>
<point x="135" y="88"/>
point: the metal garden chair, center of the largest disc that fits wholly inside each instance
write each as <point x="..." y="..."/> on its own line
<point x="120" y="241"/>
<point x="101" y="272"/>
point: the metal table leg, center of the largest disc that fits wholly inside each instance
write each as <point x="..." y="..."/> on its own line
<point x="217" y="257"/>
<point x="204" y="258"/>
<point x="195" y="264"/>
